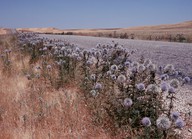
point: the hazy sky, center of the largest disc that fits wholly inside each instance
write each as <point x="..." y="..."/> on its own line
<point x="92" y="13"/>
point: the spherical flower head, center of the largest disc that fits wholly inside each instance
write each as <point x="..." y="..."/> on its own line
<point x="127" y="102"/>
<point x="164" y="77"/>
<point x="186" y="80"/>
<point x="79" y="58"/>
<point x="146" y="121"/>
<point x="48" y="66"/>
<point x="175" y="115"/>
<point x="89" y="62"/>
<point x="93" y="93"/>
<point x="141" y="68"/>
<point x="98" y="86"/>
<point x="127" y="64"/>
<point x="147" y="62"/>
<point x="163" y="123"/>
<point x="113" y="77"/>
<point x="114" y="68"/>
<point x="45" y="49"/>
<point x="169" y="68"/>
<point x="121" y="78"/>
<point x="164" y="86"/>
<point x="152" y="88"/>
<point x="140" y="87"/>
<point x="108" y="73"/>
<point x="171" y="90"/>
<point x="93" y="77"/>
<point x="179" y="123"/>
<point x="174" y="83"/>
<point x="135" y="64"/>
<point x="151" y="67"/>
<point x="134" y="70"/>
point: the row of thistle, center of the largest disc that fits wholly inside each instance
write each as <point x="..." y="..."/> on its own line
<point x="138" y="94"/>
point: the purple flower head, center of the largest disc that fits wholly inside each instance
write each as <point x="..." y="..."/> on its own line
<point x="113" y="77"/>
<point x="89" y="62"/>
<point x="121" y="78"/>
<point x="146" y="121"/>
<point x="163" y="123"/>
<point x="114" y="68"/>
<point x="175" y="115"/>
<point x="179" y="123"/>
<point x="164" y="77"/>
<point x="147" y="62"/>
<point x="174" y="83"/>
<point x="93" y="93"/>
<point x="127" y="64"/>
<point x="169" y="69"/>
<point x="49" y="67"/>
<point x="109" y="73"/>
<point x="164" y="86"/>
<point x="140" y="87"/>
<point x="171" y="90"/>
<point x="141" y="68"/>
<point x="151" y="67"/>
<point x="93" y="77"/>
<point x="186" y="80"/>
<point x="98" y="86"/>
<point x="127" y="102"/>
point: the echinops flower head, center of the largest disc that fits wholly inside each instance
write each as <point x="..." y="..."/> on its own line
<point x="186" y="80"/>
<point x="175" y="115"/>
<point x="127" y="102"/>
<point x="179" y="123"/>
<point x="146" y="121"/>
<point x="174" y="83"/>
<point x="163" y="123"/>
<point x="140" y="86"/>
<point x="171" y="90"/>
<point x="152" y="88"/>
<point x="98" y="86"/>
<point x="164" y="86"/>
<point x="121" y="78"/>
<point x="114" y="68"/>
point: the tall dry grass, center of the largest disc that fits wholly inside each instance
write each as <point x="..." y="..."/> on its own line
<point x="31" y="109"/>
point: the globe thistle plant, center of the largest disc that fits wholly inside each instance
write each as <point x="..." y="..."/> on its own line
<point x="146" y="121"/>
<point x="171" y="90"/>
<point x="179" y="123"/>
<point x="174" y="83"/>
<point x="121" y="78"/>
<point x="175" y="115"/>
<point x="152" y="88"/>
<point x="127" y="102"/>
<point x="114" y="68"/>
<point x="186" y="80"/>
<point x="163" y="123"/>
<point x="164" y="86"/>
<point x="98" y="86"/>
<point x="140" y="87"/>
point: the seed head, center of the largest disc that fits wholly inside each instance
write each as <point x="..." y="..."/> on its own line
<point x="163" y="123"/>
<point x="146" y="121"/>
<point x="127" y="102"/>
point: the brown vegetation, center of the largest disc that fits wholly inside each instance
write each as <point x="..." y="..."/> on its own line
<point x="181" y="32"/>
<point x="31" y="109"/>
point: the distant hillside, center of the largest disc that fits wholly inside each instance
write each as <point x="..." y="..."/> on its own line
<point x="180" y="32"/>
<point x="4" y="31"/>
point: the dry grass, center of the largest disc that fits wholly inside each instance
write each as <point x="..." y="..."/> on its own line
<point x="167" y="32"/>
<point x="31" y="109"/>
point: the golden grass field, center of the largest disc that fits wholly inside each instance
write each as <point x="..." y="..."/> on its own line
<point x="159" y="32"/>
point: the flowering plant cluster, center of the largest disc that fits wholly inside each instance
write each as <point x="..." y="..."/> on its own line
<point x="128" y="93"/>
